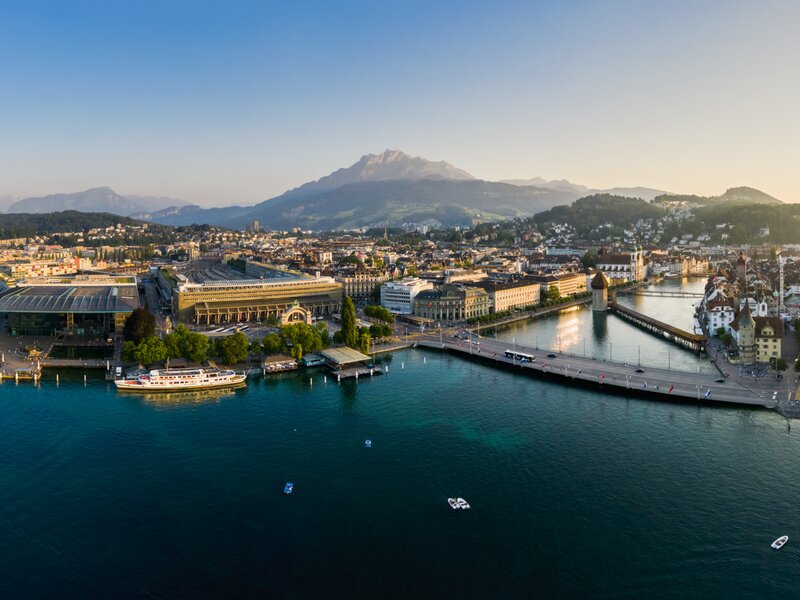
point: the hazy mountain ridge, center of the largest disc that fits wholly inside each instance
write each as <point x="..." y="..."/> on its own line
<point x="391" y="165"/>
<point x="645" y="193"/>
<point x="391" y="188"/>
<point x="734" y="195"/>
<point x="96" y="200"/>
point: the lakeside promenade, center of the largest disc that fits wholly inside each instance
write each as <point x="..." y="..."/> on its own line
<point x="615" y="377"/>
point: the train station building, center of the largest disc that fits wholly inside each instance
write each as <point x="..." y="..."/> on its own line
<point x="83" y="306"/>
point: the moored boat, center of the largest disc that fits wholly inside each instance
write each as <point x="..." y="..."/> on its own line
<point x="463" y="504"/>
<point x="779" y="543"/>
<point x="453" y="503"/>
<point x="177" y="380"/>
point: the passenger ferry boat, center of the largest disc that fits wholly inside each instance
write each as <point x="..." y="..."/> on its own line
<point x="177" y="380"/>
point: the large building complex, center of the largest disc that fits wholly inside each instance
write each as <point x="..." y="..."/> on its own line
<point x="398" y="296"/>
<point x="361" y="284"/>
<point x="620" y="268"/>
<point x="207" y="293"/>
<point x="85" y="306"/>
<point x="568" y="284"/>
<point x="452" y="302"/>
<point x="505" y="296"/>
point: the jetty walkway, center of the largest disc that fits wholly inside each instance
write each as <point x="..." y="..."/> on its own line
<point x="614" y="377"/>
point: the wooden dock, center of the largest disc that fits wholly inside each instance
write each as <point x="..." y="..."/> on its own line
<point x="356" y="372"/>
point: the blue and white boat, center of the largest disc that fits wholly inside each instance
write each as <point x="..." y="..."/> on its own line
<point x="288" y="488"/>
<point x="368" y="444"/>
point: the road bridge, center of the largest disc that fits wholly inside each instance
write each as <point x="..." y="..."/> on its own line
<point x="661" y="293"/>
<point x="649" y="382"/>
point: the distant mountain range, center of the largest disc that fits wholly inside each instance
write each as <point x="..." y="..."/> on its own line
<point x="741" y="195"/>
<point x="388" y="189"/>
<point x="101" y="199"/>
<point x="581" y="191"/>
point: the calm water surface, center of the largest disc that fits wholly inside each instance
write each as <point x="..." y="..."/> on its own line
<point x="575" y="494"/>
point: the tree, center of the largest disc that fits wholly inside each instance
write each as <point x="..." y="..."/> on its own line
<point x="234" y="348"/>
<point x="186" y="344"/>
<point x="303" y="335"/>
<point x="380" y="313"/>
<point x="128" y="351"/>
<point x="553" y="294"/>
<point x="324" y="334"/>
<point x="272" y="344"/>
<point x="150" y="350"/>
<point x="255" y="347"/>
<point x="349" y="323"/>
<point x="363" y="342"/>
<point x="589" y="259"/>
<point x="139" y="325"/>
<point x="726" y="338"/>
<point x="297" y="351"/>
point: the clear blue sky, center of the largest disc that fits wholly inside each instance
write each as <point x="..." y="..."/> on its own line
<point x="234" y="102"/>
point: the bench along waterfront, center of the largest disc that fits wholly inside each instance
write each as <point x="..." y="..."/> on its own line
<point x="616" y="377"/>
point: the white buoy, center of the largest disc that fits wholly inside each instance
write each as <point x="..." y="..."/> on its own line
<point x="402" y="365"/>
<point x="325" y="379"/>
<point x="338" y="378"/>
<point x="356" y="375"/>
<point x="424" y="360"/>
<point x="84" y="379"/>
<point x="56" y="378"/>
<point x="311" y="381"/>
<point x="370" y="373"/>
<point x="387" y="368"/>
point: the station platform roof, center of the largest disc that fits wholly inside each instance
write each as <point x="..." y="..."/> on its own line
<point x="70" y="299"/>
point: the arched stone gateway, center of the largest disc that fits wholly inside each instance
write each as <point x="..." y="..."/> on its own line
<point x="295" y="314"/>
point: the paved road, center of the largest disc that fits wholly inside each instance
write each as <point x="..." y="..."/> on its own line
<point x="659" y="382"/>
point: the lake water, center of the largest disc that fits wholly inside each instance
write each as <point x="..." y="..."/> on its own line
<point x="574" y="494"/>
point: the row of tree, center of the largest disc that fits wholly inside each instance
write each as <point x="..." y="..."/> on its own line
<point x="192" y="346"/>
<point x="380" y="313"/>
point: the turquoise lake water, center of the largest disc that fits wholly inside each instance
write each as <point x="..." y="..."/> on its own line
<point x="574" y="494"/>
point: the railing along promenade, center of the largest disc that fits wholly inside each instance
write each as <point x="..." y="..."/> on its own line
<point x="614" y="377"/>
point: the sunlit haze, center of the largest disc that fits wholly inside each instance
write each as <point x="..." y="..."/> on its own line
<point x="235" y="102"/>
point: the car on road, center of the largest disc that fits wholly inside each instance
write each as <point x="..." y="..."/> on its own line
<point x="720" y="380"/>
<point x="640" y="370"/>
<point x="551" y="356"/>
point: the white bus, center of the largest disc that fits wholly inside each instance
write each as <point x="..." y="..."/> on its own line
<point x="520" y="356"/>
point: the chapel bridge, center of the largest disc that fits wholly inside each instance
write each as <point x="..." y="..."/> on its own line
<point x="693" y="341"/>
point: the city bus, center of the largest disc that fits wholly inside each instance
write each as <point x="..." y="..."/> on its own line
<point x="520" y="356"/>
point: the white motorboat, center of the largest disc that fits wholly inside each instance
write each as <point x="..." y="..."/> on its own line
<point x="780" y="542"/>
<point x="176" y="380"/>
<point x="462" y="503"/>
<point x="453" y="503"/>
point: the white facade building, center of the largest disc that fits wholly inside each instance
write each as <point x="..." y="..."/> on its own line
<point x="398" y="296"/>
<point x="719" y="313"/>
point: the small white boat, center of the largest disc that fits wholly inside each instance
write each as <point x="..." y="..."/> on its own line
<point x="453" y="503"/>
<point x="462" y="503"/>
<point x="779" y="543"/>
